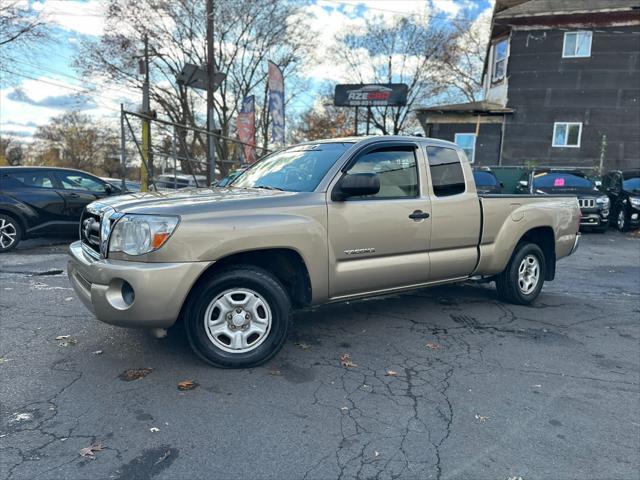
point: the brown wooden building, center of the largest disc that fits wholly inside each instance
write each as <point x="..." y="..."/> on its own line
<point x="561" y="87"/>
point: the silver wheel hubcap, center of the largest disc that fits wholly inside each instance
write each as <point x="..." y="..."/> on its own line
<point x="238" y="320"/>
<point x="621" y="219"/>
<point x="528" y="274"/>
<point x="8" y="234"/>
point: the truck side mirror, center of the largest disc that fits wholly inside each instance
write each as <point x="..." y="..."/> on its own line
<point x="356" y="185"/>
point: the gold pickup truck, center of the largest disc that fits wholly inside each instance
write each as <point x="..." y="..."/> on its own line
<point x="318" y="222"/>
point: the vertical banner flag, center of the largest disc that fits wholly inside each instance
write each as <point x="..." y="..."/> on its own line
<point x="276" y="103"/>
<point x="246" y="125"/>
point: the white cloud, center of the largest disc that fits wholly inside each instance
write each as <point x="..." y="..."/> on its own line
<point x="87" y="17"/>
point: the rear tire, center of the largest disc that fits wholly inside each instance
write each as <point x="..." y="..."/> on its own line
<point x="239" y="318"/>
<point x="10" y="233"/>
<point x="621" y="220"/>
<point x="521" y="282"/>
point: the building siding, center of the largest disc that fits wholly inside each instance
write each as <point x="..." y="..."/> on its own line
<point x="487" y="143"/>
<point x="601" y="91"/>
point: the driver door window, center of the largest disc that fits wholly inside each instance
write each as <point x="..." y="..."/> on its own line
<point x="78" y="181"/>
<point x="395" y="168"/>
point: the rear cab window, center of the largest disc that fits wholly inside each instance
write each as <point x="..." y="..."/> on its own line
<point x="27" y="179"/>
<point x="447" y="177"/>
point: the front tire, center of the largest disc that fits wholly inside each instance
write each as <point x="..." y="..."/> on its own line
<point x="10" y="233"/>
<point x="239" y="318"/>
<point x="621" y="220"/>
<point x="521" y="282"/>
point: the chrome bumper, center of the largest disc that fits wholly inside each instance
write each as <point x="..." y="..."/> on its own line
<point x="576" y="243"/>
<point x="132" y="294"/>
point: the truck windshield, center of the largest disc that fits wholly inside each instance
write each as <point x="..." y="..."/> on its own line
<point x="561" y="180"/>
<point x="295" y="169"/>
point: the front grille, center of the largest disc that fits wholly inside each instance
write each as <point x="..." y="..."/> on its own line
<point x="90" y="230"/>
<point x="95" y="227"/>
<point x="587" y="202"/>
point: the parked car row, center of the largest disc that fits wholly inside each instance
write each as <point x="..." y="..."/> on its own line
<point x="613" y="201"/>
<point x="42" y="201"/>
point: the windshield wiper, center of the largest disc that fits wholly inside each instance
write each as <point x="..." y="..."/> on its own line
<point x="270" y="187"/>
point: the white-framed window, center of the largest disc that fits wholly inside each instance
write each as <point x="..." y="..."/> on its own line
<point x="467" y="142"/>
<point x="567" y="134"/>
<point x="500" y="50"/>
<point x="577" y="44"/>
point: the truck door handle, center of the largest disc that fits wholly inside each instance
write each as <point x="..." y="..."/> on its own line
<point x="72" y="195"/>
<point x="418" y="214"/>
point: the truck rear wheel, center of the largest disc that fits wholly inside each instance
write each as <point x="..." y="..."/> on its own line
<point x="238" y="318"/>
<point x="522" y="280"/>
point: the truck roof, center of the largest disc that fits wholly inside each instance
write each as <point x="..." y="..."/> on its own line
<point x="388" y="138"/>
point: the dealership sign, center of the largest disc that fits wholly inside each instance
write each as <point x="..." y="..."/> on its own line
<point x="371" y="95"/>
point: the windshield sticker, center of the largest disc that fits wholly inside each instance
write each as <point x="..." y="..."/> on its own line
<point x="558" y="182"/>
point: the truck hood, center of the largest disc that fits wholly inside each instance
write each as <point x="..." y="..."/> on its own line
<point x="190" y="200"/>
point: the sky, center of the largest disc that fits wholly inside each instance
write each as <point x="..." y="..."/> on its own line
<point x="41" y="83"/>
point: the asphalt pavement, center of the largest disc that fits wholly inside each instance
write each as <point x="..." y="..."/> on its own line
<point x="441" y="383"/>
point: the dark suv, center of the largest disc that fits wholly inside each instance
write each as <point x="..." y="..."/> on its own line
<point x="623" y="189"/>
<point x="594" y="206"/>
<point x="40" y="201"/>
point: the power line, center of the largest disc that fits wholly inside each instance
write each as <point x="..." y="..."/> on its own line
<point x="79" y="79"/>
<point x="367" y="6"/>
<point x="74" y="89"/>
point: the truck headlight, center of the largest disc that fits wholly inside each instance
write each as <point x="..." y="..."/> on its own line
<point x="635" y="201"/>
<point x="603" y="201"/>
<point x="140" y="234"/>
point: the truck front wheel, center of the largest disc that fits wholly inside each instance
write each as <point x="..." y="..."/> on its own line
<point x="522" y="280"/>
<point x="238" y="318"/>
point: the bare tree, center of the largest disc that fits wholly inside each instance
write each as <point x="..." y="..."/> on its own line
<point x="247" y="34"/>
<point x="19" y="23"/>
<point x="462" y="69"/>
<point x="405" y="50"/>
<point x="74" y="140"/>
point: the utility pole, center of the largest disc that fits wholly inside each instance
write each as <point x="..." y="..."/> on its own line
<point x="147" y="168"/>
<point x="355" y="125"/>
<point x="123" y="150"/>
<point x="211" y="145"/>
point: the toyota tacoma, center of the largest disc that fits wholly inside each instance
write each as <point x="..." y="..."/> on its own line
<point x="319" y="222"/>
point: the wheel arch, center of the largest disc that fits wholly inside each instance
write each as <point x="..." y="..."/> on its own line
<point x="286" y="264"/>
<point x="17" y="217"/>
<point x="544" y="237"/>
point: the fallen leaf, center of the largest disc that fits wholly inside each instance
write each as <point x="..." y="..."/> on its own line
<point x="65" y="341"/>
<point x="303" y="346"/>
<point x="376" y="454"/>
<point x="390" y="373"/>
<point x="344" y="409"/>
<point x="134" y="374"/>
<point x="98" y="352"/>
<point x="275" y="372"/>
<point x="481" y="418"/>
<point x="68" y="299"/>
<point x="432" y="345"/>
<point x="187" y="385"/>
<point x="538" y="386"/>
<point x="163" y="457"/>
<point x="154" y="429"/>
<point x="90" y="450"/>
<point x="345" y="361"/>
